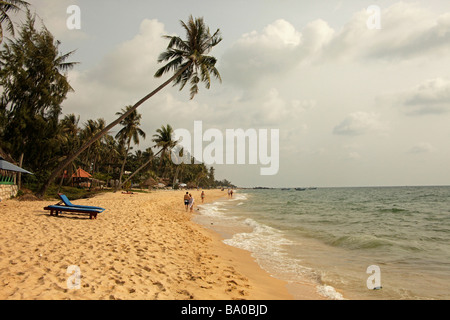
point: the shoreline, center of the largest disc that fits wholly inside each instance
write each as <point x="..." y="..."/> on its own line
<point x="262" y="286"/>
<point x="276" y="288"/>
<point x="145" y="246"/>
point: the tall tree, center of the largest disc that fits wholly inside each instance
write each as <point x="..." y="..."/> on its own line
<point x="91" y="128"/>
<point x="7" y="6"/>
<point x="34" y="83"/>
<point x="130" y="132"/>
<point x="150" y="158"/>
<point x="188" y="59"/>
<point x="164" y="140"/>
<point x="69" y="140"/>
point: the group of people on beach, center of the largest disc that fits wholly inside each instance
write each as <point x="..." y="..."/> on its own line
<point x="189" y="200"/>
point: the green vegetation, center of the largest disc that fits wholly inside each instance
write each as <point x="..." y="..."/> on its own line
<point x="36" y="134"/>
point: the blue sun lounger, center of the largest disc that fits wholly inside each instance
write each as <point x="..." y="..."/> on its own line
<point x="71" y="208"/>
<point x="67" y="202"/>
<point x="56" y="210"/>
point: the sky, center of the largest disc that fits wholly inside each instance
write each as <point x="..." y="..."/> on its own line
<point x="359" y="99"/>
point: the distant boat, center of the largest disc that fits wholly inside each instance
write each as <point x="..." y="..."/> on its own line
<point x="285" y="189"/>
<point x="300" y="189"/>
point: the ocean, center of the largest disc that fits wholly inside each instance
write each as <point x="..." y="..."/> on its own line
<point x="381" y="243"/>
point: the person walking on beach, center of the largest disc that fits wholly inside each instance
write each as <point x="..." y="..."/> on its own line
<point x="203" y="196"/>
<point x="186" y="200"/>
<point x="191" y="202"/>
<point x="231" y="193"/>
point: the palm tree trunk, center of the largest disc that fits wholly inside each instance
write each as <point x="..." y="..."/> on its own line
<point x="140" y="168"/>
<point x="174" y="181"/>
<point x="123" y="164"/>
<point x="61" y="182"/>
<point x="161" y="160"/>
<point x="69" y="159"/>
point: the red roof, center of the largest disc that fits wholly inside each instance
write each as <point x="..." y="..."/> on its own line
<point x="80" y="173"/>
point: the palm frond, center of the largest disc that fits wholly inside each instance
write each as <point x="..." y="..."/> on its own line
<point x="188" y="58"/>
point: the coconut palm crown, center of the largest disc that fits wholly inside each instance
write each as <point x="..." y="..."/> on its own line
<point x="191" y="56"/>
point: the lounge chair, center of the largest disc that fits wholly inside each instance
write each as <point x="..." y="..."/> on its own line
<point x="69" y="207"/>
<point x="60" y="209"/>
<point x="67" y="202"/>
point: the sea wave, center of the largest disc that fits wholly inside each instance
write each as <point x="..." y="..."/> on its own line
<point x="360" y="242"/>
<point x="215" y="209"/>
<point x="329" y="292"/>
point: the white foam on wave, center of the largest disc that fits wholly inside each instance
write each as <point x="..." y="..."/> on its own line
<point x="215" y="209"/>
<point x="239" y="196"/>
<point x="218" y="208"/>
<point x="269" y="247"/>
<point x="261" y="239"/>
<point x="329" y="292"/>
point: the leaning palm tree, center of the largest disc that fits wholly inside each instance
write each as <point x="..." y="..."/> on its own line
<point x="145" y="165"/>
<point x="130" y="132"/>
<point x="9" y="6"/>
<point x="163" y="140"/>
<point x="188" y="59"/>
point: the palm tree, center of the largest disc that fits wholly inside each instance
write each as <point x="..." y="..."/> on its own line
<point x="9" y="6"/>
<point x="91" y="128"/>
<point x="179" y="168"/>
<point x="34" y="83"/>
<point x="164" y="141"/>
<point x="188" y="59"/>
<point x="145" y="165"/>
<point x="69" y="139"/>
<point x="130" y="132"/>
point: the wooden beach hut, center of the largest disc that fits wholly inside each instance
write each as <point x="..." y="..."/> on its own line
<point x="84" y="179"/>
<point x="81" y="178"/>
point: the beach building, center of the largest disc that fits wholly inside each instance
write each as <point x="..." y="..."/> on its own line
<point x="8" y="179"/>
<point x="84" y="179"/>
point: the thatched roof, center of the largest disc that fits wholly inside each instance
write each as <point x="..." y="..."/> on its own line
<point x="150" y="182"/>
<point x="160" y="183"/>
<point x="80" y="173"/>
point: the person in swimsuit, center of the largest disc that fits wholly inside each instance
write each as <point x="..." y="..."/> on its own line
<point x="203" y="196"/>
<point x="186" y="200"/>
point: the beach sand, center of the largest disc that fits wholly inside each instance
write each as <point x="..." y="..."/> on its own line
<point x="144" y="246"/>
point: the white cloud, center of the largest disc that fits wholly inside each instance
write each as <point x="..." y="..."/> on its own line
<point x="354" y="155"/>
<point x="359" y="123"/>
<point x="430" y="97"/>
<point x="422" y="147"/>
<point x="279" y="34"/>
<point x="54" y="14"/>
<point x="275" y="51"/>
<point x="122" y="77"/>
<point x="132" y="65"/>
<point x="408" y="31"/>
